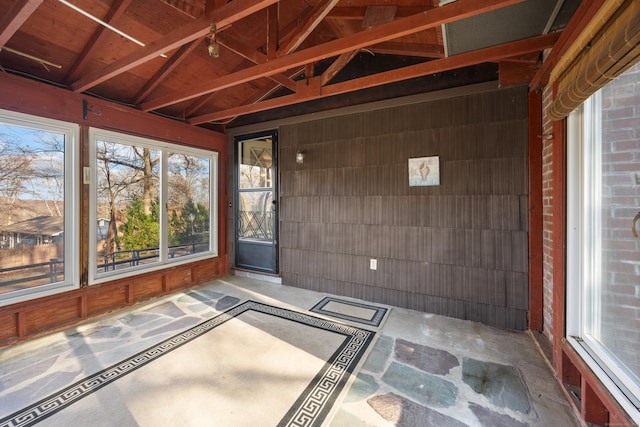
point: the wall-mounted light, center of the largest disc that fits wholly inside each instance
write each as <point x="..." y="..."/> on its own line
<point x="300" y="157"/>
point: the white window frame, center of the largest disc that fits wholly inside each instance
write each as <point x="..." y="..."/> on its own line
<point x="71" y="133"/>
<point x="583" y="306"/>
<point x="164" y="259"/>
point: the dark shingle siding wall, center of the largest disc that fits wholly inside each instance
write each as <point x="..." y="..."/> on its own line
<point x="458" y="249"/>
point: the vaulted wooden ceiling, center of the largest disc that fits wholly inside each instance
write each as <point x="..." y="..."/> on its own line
<point x="215" y="63"/>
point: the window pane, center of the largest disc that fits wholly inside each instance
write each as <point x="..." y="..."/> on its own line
<point x="32" y="196"/>
<point x="128" y="208"/>
<point x="618" y="296"/>
<point x="189" y="204"/>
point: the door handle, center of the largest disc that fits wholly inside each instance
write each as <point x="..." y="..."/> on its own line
<point x="633" y="224"/>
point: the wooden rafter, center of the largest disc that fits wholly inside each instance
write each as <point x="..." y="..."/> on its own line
<point x="166" y="69"/>
<point x="13" y="18"/>
<point x="398" y="28"/>
<point x="310" y="23"/>
<point x="222" y="17"/>
<point x="409" y="49"/>
<point x="194" y="106"/>
<point x="357" y="13"/>
<point x="515" y="72"/>
<point x="336" y="66"/>
<point x="262" y="94"/>
<point x="491" y="54"/>
<point x="273" y="28"/>
<point x="255" y="57"/>
<point x="377" y="15"/>
<point x="118" y="8"/>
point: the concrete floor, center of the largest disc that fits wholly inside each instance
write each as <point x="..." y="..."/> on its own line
<point x="423" y="369"/>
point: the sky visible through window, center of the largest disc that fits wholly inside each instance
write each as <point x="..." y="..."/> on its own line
<point x="31" y="164"/>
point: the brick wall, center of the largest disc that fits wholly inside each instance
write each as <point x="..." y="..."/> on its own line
<point x="547" y="216"/>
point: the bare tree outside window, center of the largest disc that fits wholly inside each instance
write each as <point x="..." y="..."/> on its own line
<point x="32" y="198"/>
<point x="188" y="205"/>
<point x="127" y="187"/>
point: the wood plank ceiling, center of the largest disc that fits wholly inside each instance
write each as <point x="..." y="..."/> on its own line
<point x="217" y="64"/>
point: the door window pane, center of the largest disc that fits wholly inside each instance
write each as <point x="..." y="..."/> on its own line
<point x="256" y="164"/>
<point x="255" y="215"/>
<point x="255" y="181"/>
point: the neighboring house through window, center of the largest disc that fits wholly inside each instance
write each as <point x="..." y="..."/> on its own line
<point x="37" y="202"/>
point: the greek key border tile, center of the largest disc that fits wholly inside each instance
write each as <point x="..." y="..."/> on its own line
<point x="380" y="312"/>
<point x="310" y="408"/>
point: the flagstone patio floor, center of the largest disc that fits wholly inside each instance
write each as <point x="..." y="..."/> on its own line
<point x="423" y="369"/>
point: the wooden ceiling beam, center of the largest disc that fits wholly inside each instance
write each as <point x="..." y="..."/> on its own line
<point x="401" y="27"/>
<point x="273" y="30"/>
<point x="166" y="69"/>
<point x="491" y="54"/>
<point x="118" y="8"/>
<point x="256" y="98"/>
<point x="336" y="66"/>
<point x="194" y="106"/>
<point x="255" y="57"/>
<point x="13" y="18"/>
<point x="512" y="73"/>
<point x="409" y="49"/>
<point x="308" y="25"/>
<point x="191" y="109"/>
<point x="357" y="13"/>
<point x="222" y="17"/>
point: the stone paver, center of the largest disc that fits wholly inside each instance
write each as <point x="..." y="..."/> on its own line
<point x="379" y="355"/>
<point x="501" y="384"/>
<point x="420" y="386"/>
<point x="425" y="358"/>
<point x="405" y="413"/>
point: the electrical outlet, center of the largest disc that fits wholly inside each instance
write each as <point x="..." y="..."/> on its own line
<point x="373" y="264"/>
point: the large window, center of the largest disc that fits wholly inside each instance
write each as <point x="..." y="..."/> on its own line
<point x="37" y="229"/>
<point x="603" y="252"/>
<point x="152" y="204"/>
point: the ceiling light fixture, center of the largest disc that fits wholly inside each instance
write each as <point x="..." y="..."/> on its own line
<point x="214" y="46"/>
<point x="104" y="24"/>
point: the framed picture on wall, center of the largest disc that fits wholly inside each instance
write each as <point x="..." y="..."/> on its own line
<point x="424" y="171"/>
